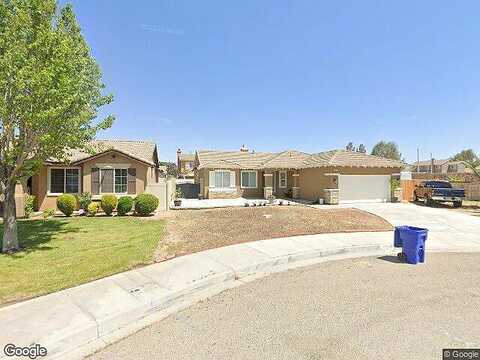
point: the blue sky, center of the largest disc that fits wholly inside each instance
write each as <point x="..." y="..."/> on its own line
<point x="277" y="75"/>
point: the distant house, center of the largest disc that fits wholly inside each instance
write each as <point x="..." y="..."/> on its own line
<point x="185" y="163"/>
<point x="353" y="176"/>
<point x="439" y="167"/>
<point x="113" y="167"/>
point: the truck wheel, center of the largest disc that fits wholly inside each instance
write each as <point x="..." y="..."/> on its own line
<point x="457" y="204"/>
<point x="429" y="202"/>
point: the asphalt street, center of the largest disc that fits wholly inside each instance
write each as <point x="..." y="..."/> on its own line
<point x="366" y="308"/>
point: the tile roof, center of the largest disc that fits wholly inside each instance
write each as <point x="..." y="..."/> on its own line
<point x="290" y="159"/>
<point x="140" y="150"/>
<point x="352" y="158"/>
<point x="232" y="159"/>
<point x="429" y="162"/>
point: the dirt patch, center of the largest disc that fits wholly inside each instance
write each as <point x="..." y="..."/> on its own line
<point x="190" y="231"/>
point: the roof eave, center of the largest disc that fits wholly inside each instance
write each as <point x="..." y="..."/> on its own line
<point x="81" y="161"/>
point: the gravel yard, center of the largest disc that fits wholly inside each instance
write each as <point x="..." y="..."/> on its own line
<point x="189" y="231"/>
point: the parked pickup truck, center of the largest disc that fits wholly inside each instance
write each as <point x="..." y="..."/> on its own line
<point x="438" y="191"/>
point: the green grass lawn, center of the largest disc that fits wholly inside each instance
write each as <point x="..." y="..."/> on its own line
<point x="61" y="253"/>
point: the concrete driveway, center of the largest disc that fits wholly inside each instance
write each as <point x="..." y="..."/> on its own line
<point x="447" y="229"/>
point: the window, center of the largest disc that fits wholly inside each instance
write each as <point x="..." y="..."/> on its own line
<point x="222" y="179"/>
<point x="64" y="181"/>
<point x="71" y="181"/>
<point x="106" y="181"/>
<point x="113" y="181"/>
<point x="121" y="180"/>
<point x="452" y="168"/>
<point x="283" y="179"/>
<point x="249" y="179"/>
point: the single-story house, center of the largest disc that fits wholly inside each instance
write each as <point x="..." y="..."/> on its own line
<point x="352" y="176"/>
<point x="435" y="166"/>
<point x="185" y="163"/>
<point x="114" y="167"/>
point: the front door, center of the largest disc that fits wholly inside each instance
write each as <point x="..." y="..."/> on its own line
<point x="274" y="182"/>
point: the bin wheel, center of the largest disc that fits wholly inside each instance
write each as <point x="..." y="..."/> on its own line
<point x="401" y="256"/>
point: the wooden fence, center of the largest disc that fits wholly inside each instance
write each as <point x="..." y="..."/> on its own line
<point x="408" y="186"/>
<point x="472" y="190"/>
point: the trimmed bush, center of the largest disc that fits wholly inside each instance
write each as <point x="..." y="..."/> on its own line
<point x="29" y="205"/>
<point x="92" y="209"/>
<point x="145" y="204"/>
<point x="48" y="213"/>
<point x="66" y="203"/>
<point x="84" y="200"/>
<point x="108" y="204"/>
<point x="125" y="205"/>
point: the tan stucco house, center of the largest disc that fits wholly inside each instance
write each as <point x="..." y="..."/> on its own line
<point x="185" y="164"/>
<point x="348" y="175"/>
<point x="435" y="166"/>
<point x="115" y="167"/>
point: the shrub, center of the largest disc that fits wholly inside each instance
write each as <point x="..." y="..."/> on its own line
<point x="84" y="200"/>
<point x="125" y="205"/>
<point x="29" y="205"/>
<point x="145" y="204"/>
<point x="66" y="203"/>
<point x="92" y="209"/>
<point x="48" y="213"/>
<point x="108" y="204"/>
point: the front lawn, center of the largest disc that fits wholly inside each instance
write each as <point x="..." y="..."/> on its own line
<point x="61" y="253"/>
<point x="190" y="231"/>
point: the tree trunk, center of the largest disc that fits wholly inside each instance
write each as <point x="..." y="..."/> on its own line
<point x="10" y="240"/>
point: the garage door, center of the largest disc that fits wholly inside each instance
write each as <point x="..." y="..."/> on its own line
<point x="364" y="188"/>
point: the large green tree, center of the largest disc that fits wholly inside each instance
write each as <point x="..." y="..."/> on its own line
<point x="171" y="168"/>
<point x="362" y="149"/>
<point x="387" y="149"/>
<point x="50" y="92"/>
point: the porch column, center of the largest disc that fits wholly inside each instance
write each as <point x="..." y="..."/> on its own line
<point x="296" y="187"/>
<point x="268" y="181"/>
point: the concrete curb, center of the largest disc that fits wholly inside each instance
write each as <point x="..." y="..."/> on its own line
<point x="246" y="274"/>
<point x="76" y="322"/>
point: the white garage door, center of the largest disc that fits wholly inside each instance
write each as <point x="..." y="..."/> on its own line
<point x="364" y="188"/>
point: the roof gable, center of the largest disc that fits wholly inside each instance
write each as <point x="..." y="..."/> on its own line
<point x="143" y="151"/>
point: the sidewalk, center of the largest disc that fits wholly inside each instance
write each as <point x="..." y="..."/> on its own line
<point x="75" y="322"/>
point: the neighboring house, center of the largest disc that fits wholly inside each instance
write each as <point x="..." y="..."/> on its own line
<point x="185" y="164"/>
<point x="439" y="167"/>
<point x="115" y="167"/>
<point x="356" y="176"/>
<point x="19" y="200"/>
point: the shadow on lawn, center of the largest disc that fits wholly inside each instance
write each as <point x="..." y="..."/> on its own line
<point x="33" y="235"/>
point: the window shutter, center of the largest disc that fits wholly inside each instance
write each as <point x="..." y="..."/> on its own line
<point x="211" y="179"/>
<point x="132" y="180"/>
<point x="232" y="178"/>
<point x="95" y="181"/>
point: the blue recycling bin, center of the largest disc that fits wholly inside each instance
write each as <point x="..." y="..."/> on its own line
<point x="412" y="241"/>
